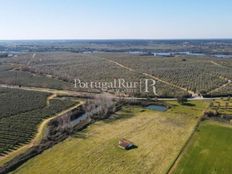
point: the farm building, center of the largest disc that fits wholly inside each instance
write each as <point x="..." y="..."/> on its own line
<point x="125" y="144"/>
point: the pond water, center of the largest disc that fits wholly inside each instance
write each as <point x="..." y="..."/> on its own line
<point x="156" y="108"/>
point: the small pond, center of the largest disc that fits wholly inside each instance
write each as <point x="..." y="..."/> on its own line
<point x="157" y="108"/>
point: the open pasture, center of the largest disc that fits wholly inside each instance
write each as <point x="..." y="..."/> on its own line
<point x="158" y="135"/>
<point x="210" y="151"/>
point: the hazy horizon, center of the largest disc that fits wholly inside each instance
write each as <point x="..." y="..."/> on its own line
<point x="115" y="20"/>
<point x="119" y="39"/>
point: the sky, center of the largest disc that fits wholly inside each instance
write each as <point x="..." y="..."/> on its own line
<point x="115" y="19"/>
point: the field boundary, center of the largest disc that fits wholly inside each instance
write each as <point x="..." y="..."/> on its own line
<point x="153" y="77"/>
<point x="90" y="95"/>
<point x="37" y="137"/>
<point x="50" y="90"/>
<point x="172" y="167"/>
<point x="221" y="87"/>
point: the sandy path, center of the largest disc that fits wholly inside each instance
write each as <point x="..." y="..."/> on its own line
<point x="38" y="137"/>
<point x="153" y="77"/>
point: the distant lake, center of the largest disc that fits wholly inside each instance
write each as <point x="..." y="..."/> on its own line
<point x="172" y="54"/>
<point x="223" y="56"/>
<point x="178" y="53"/>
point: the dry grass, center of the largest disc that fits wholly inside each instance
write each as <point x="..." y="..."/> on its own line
<point x="159" y="137"/>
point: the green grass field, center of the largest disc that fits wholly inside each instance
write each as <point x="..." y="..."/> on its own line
<point x="210" y="151"/>
<point x="158" y="135"/>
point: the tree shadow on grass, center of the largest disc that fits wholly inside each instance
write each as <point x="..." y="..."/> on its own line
<point x="189" y="104"/>
<point x="122" y="115"/>
<point x="80" y="134"/>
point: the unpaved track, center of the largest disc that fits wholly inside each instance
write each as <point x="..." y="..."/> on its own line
<point x="50" y="98"/>
<point x="215" y="63"/>
<point x="49" y="90"/>
<point x="221" y="87"/>
<point x="224" y="78"/>
<point x="84" y="94"/>
<point x="153" y="77"/>
<point x="39" y="135"/>
<point x="43" y="125"/>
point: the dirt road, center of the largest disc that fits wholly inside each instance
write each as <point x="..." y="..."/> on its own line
<point x="154" y="77"/>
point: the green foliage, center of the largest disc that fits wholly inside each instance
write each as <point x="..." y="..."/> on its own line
<point x="198" y="74"/>
<point x="158" y="135"/>
<point x="224" y="107"/>
<point x="68" y="66"/>
<point x="13" y="101"/>
<point x="225" y="91"/>
<point x="182" y="100"/>
<point x="20" y="117"/>
<point x="9" y="75"/>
